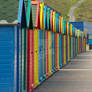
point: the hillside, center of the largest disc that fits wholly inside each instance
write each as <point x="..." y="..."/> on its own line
<point x="84" y="11"/>
<point x="62" y="6"/>
<point x="9" y="10"/>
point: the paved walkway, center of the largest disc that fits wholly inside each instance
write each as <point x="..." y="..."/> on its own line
<point x="75" y="77"/>
<point x="71" y="12"/>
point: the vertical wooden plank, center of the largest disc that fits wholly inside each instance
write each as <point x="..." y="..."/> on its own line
<point x="64" y="51"/>
<point x="45" y="17"/>
<point x="53" y="21"/>
<point x="44" y="55"/>
<point x="61" y="25"/>
<point x="57" y="22"/>
<point x="66" y="48"/>
<point x="49" y="52"/>
<point x="54" y="53"/>
<point x="71" y="48"/>
<point x="36" y="64"/>
<point x="42" y="16"/>
<point x="40" y="55"/>
<point x="48" y="18"/>
<point x="30" y="60"/>
<point x="58" y="51"/>
<point x="24" y="59"/>
<point x="47" y="70"/>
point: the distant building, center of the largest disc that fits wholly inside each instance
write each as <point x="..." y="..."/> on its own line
<point x="85" y="27"/>
<point x="78" y="25"/>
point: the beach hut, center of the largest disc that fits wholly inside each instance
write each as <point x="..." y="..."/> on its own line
<point x="11" y="25"/>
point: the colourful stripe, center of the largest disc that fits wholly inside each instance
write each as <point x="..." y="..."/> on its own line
<point x="36" y="67"/>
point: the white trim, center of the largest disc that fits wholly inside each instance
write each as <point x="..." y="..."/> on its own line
<point x="15" y="73"/>
<point x="66" y="70"/>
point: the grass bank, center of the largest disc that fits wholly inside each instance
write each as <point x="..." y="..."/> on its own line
<point x="62" y="6"/>
<point x="84" y="11"/>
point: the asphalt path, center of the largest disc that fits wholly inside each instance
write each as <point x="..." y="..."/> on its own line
<point x="74" y="77"/>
